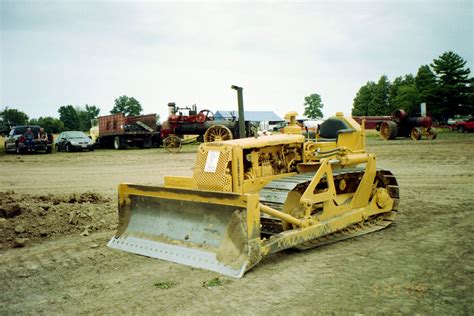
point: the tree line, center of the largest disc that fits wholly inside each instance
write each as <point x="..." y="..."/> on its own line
<point x="71" y="118"/>
<point x="444" y="85"/>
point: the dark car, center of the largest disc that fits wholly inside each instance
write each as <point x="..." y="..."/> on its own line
<point x="74" y="141"/>
<point x="18" y="142"/>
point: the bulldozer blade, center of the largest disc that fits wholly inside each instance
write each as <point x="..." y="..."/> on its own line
<point x="200" y="229"/>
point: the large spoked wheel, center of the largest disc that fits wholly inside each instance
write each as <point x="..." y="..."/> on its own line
<point x="217" y="133"/>
<point x="205" y="115"/>
<point x="431" y="133"/>
<point x="172" y="144"/>
<point x="415" y="133"/>
<point x="388" y="130"/>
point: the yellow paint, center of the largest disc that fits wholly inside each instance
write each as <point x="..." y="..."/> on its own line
<point x="245" y="166"/>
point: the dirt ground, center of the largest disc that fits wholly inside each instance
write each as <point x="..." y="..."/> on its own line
<point x="58" y="211"/>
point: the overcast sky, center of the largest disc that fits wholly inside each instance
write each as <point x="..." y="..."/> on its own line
<point x="57" y="53"/>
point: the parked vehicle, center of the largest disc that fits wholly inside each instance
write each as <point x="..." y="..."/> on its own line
<point x="17" y="142"/>
<point x="372" y="122"/>
<point x="451" y="122"/>
<point x="74" y="141"/>
<point x="467" y="125"/>
<point x="403" y="125"/>
<point x="188" y="121"/>
<point x="119" y="131"/>
<point x="248" y="198"/>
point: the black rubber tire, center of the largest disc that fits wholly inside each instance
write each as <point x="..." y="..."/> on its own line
<point x="461" y="129"/>
<point x="68" y="148"/>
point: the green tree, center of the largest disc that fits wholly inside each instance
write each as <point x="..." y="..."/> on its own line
<point x="85" y="115"/>
<point x="379" y="105"/>
<point x="69" y="117"/>
<point x="454" y="85"/>
<point x="395" y="87"/>
<point x="426" y="84"/>
<point x="11" y="117"/>
<point x="404" y="94"/>
<point x="50" y="124"/>
<point x="313" y="106"/>
<point x="363" y="99"/>
<point x="407" y="98"/>
<point x="92" y="110"/>
<point x="127" y="106"/>
<point x="468" y="107"/>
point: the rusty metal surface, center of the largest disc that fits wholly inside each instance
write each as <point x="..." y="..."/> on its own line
<point x="111" y="124"/>
<point x="115" y="124"/>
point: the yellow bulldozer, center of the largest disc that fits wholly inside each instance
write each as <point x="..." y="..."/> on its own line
<point x="251" y="197"/>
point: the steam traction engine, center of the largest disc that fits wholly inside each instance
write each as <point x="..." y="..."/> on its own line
<point x="403" y="125"/>
<point x="188" y="121"/>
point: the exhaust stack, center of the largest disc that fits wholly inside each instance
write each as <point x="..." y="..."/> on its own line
<point x="240" y="100"/>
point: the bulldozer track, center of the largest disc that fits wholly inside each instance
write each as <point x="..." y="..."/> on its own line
<point x="274" y="195"/>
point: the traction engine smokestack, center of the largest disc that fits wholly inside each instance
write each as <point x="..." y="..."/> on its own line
<point x="171" y="108"/>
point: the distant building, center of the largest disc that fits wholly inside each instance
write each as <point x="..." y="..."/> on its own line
<point x="266" y="119"/>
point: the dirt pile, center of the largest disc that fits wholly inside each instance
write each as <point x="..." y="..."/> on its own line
<point x="27" y="218"/>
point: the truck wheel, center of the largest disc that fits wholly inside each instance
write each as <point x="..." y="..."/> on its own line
<point x="117" y="143"/>
<point x="461" y="129"/>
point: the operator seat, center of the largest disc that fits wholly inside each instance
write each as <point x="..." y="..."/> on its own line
<point x="330" y="129"/>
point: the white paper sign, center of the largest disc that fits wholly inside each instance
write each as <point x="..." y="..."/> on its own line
<point x="212" y="160"/>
